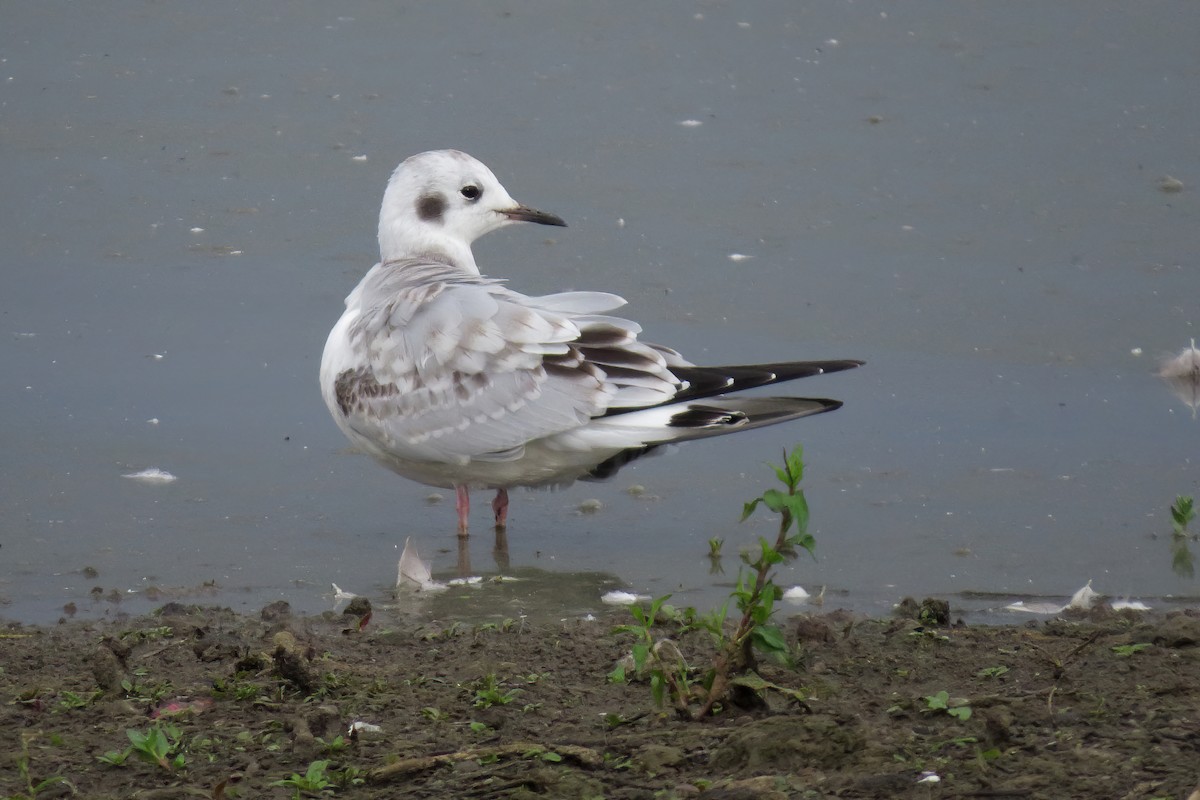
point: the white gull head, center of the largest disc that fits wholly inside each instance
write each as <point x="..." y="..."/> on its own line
<point x="437" y="203"/>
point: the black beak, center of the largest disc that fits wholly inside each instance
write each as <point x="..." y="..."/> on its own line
<point x="526" y="214"/>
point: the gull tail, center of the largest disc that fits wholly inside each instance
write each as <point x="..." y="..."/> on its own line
<point x="704" y="407"/>
<point x="712" y="416"/>
<point x="702" y="382"/>
<point x="682" y="422"/>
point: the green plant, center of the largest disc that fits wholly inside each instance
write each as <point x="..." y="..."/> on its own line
<point x="158" y="745"/>
<point x="314" y="780"/>
<point x="489" y="692"/>
<point x="955" y="707"/>
<point x="149" y="634"/>
<point x="1182" y="561"/>
<point x="233" y="689"/>
<point x="71" y="700"/>
<point x="755" y="597"/>
<point x="1182" y="512"/>
<point x="145" y="693"/>
<point x="32" y="788"/>
<point x="715" y="565"/>
<point x="648" y="658"/>
<point x="1126" y="650"/>
<point x="992" y="672"/>
<point x="115" y="758"/>
<point x="348" y="777"/>
<point x="334" y="745"/>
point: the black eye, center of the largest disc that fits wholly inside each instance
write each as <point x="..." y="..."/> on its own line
<point x="471" y="191"/>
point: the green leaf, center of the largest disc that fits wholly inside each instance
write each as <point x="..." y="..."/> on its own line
<point x="795" y="466"/>
<point x="962" y="712"/>
<point x="658" y="688"/>
<point x="1182" y="512"/>
<point x="782" y="475"/>
<point x="768" y="554"/>
<point x="52" y="781"/>
<point x="641" y="651"/>
<point x="755" y="683"/>
<point x="769" y="638"/>
<point x="938" y="701"/>
<point x="806" y="541"/>
<point x="774" y="500"/>
<point x="551" y="756"/>
<point x="797" y="506"/>
<point x="748" y="508"/>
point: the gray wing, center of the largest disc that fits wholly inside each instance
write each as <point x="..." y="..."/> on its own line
<point x="448" y="366"/>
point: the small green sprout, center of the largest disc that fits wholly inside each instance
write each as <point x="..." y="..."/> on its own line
<point x="992" y="672"/>
<point x="156" y="746"/>
<point x="313" y="781"/>
<point x="489" y="692"/>
<point x="1126" y="650"/>
<point x="1182" y="512"/>
<point x="941" y="701"/>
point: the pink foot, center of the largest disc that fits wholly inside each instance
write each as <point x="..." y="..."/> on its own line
<point x="500" y="507"/>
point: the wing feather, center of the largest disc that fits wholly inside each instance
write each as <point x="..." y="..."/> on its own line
<point x="449" y="366"/>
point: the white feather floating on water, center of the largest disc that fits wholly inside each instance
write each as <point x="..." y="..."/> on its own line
<point x="618" y="598"/>
<point x="1083" y="599"/>
<point x="151" y="475"/>
<point x="1129" y="605"/>
<point x="796" y="594"/>
<point x="413" y="573"/>
<point x="1182" y="374"/>
<point x="1034" y="608"/>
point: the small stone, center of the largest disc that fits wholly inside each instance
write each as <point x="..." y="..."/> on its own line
<point x="358" y="607"/>
<point x="654" y="758"/>
<point x="107" y="670"/>
<point x="278" y="610"/>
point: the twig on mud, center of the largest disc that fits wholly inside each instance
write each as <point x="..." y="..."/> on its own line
<point x="584" y="755"/>
<point x="159" y="650"/>
<point x="1060" y="662"/>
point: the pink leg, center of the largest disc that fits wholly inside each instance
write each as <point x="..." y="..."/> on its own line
<point x="462" y="504"/>
<point x="500" y="507"/>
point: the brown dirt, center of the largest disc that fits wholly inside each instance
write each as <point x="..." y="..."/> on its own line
<point x="1061" y="708"/>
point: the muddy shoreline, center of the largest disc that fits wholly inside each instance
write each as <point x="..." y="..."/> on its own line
<point x="1103" y="704"/>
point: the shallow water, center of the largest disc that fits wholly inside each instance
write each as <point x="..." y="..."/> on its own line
<point x="968" y="199"/>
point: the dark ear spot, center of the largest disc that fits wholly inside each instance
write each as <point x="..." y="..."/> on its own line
<point x="431" y="207"/>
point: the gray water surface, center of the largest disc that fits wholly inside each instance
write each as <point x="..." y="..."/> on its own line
<point x="968" y="196"/>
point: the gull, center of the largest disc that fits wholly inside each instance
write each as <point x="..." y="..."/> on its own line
<point x="451" y="379"/>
